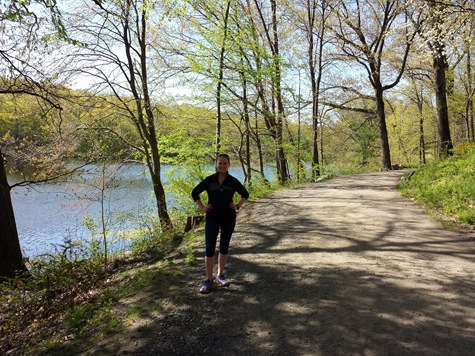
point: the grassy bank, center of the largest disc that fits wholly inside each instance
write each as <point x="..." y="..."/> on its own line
<point x="446" y="188"/>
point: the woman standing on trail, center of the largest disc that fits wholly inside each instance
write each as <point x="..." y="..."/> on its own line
<point x="220" y="215"/>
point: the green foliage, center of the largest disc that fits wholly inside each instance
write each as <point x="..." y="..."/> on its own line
<point x="260" y="187"/>
<point x="158" y="246"/>
<point x="344" y="167"/>
<point x="56" y="284"/>
<point x="190" y="241"/>
<point x="190" y="258"/>
<point x="73" y="294"/>
<point x="76" y="318"/>
<point x="351" y="143"/>
<point x="447" y="186"/>
<point x="182" y="181"/>
<point x="20" y="118"/>
<point x="404" y="129"/>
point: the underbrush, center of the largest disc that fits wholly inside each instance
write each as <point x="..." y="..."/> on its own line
<point x="447" y="187"/>
<point x="65" y="296"/>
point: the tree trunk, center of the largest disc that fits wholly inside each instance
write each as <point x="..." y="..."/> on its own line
<point x="145" y="116"/>
<point x="282" y="170"/>
<point x="445" y="146"/>
<point x="11" y="259"/>
<point x="472" y="124"/>
<point x="315" y="96"/>
<point x="439" y="67"/>
<point x="469" y="103"/>
<point x="422" y="145"/>
<point x="163" y="216"/>
<point x="257" y="140"/>
<point x="383" y="131"/>
<point x="273" y="118"/>
<point x="315" y="61"/>
<point x="247" y="123"/>
<point x="220" y="81"/>
<point x="315" y="160"/>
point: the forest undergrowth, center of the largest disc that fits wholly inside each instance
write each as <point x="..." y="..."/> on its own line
<point x="446" y="188"/>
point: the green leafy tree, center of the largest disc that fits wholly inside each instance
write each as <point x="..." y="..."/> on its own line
<point x="375" y="35"/>
<point x="236" y="56"/>
<point x="117" y="57"/>
<point x="442" y="26"/>
<point x="313" y="19"/>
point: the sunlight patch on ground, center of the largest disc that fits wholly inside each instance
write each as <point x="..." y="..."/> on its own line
<point x="293" y="307"/>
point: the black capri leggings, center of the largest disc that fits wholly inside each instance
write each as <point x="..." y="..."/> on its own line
<point x="212" y="228"/>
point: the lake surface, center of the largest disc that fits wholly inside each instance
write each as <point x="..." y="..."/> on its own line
<point x="48" y="214"/>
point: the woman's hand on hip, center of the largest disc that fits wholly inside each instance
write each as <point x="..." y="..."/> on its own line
<point x="207" y="208"/>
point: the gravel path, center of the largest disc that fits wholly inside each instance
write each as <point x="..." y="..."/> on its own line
<point x="343" y="267"/>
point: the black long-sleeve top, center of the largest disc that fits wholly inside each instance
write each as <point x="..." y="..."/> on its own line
<point x="220" y="196"/>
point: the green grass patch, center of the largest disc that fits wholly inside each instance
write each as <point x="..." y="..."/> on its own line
<point x="447" y="187"/>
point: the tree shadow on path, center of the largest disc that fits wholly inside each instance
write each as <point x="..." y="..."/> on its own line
<point x="346" y="267"/>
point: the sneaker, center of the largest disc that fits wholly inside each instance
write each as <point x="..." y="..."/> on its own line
<point x="222" y="280"/>
<point x="207" y="286"/>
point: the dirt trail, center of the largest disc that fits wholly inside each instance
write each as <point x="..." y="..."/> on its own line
<point x="344" y="267"/>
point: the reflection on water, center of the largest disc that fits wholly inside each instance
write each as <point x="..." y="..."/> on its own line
<point x="48" y="214"/>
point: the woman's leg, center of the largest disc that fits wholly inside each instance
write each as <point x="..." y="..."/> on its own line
<point x="222" y="260"/>
<point x="227" y="229"/>
<point x="209" y="266"/>
<point x="211" y="236"/>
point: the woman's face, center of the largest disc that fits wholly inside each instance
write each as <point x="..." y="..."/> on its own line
<point x="222" y="164"/>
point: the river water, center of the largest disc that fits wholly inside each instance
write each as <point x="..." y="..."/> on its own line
<point x="49" y="214"/>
